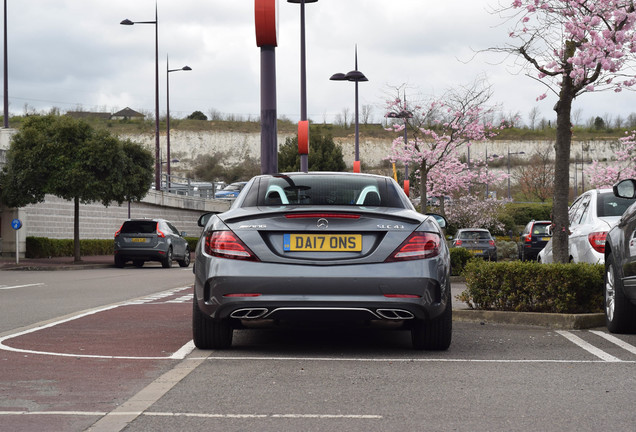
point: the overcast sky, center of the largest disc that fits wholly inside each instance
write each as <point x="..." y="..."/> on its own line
<point x="74" y="54"/>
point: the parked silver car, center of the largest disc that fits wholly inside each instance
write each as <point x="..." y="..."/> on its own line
<point x="141" y="240"/>
<point x="591" y="216"/>
<point x="335" y="247"/>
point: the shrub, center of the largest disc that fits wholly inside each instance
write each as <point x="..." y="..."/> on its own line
<point x="42" y="247"/>
<point x="507" y="250"/>
<point x="459" y="258"/>
<point x="531" y="287"/>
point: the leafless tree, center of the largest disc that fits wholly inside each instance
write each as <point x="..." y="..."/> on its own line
<point x="533" y="116"/>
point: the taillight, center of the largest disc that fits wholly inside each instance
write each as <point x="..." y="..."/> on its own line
<point x="118" y="231"/>
<point x="322" y="215"/>
<point x="458" y="242"/>
<point x="527" y="238"/>
<point x="419" y="245"/>
<point x="597" y="241"/>
<point x="225" y="244"/>
<point x="160" y="233"/>
<point x="491" y="242"/>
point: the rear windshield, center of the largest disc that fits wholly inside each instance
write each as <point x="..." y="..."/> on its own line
<point x="324" y="190"/>
<point x="610" y="205"/>
<point x="540" y="229"/>
<point x="474" y="235"/>
<point x="142" y="227"/>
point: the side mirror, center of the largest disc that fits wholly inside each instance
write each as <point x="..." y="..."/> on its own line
<point x="625" y="188"/>
<point x="441" y="220"/>
<point x="184" y="234"/>
<point x="204" y="218"/>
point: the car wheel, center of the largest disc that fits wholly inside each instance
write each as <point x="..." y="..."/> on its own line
<point x="119" y="261"/>
<point x="208" y="333"/>
<point x="138" y="263"/>
<point x="434" y="334"/>
<point x="167" y="261"/>
<point x="185" y="262"/>
<point x="620" y="314"/>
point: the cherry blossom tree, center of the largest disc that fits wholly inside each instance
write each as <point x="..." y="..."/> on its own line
<point x="573" y="47"/>
<point x="624" y="167"/>
<point x="442" y="130"/>
<point x="469" y="211"/>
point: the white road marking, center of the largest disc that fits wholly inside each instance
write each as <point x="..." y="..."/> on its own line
<point x="588" y="347"/>
<point x="3" y="287"/>
<point x="197" y="415"/>
<point x="404" y="360"/>
<point x="615" y="340"/>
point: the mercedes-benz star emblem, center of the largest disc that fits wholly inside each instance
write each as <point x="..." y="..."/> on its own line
<point x="322" y="223"/>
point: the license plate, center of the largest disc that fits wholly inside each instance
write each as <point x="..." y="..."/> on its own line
<point x="138" y="240"/>
<point x="545" y="238"/>
<point x="322" y="242"/>
<point x="477" y="251"/>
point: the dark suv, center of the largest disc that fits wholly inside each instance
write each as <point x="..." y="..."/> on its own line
<point x="620" y="266"/>
<point x="141" y="240"/>
<point x="533" y="239"/>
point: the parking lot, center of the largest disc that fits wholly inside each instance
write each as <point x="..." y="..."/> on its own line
<point x="132" y="364"/>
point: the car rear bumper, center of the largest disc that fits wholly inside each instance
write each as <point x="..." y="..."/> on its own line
<point x="329" y="293"/>
<point x="141" y="254"/>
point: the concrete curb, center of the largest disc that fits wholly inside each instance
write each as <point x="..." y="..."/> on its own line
<point x="550" y="320"/>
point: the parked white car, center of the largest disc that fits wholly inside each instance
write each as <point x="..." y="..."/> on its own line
<point x="591" y="216"/>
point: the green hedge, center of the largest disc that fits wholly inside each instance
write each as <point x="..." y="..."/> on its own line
<point x="43" y="247"/>
<point x="532" y="287"/>
<point x="459" y="257"/>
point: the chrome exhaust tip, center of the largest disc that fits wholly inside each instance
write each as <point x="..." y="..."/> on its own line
<point x="249" y="313"/>
<point x="395" y="314"/>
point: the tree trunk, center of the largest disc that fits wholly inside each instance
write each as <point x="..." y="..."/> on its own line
<point x="76" y="235"/>
<point x="561" y="225"/>
<point x="423" y="182"/>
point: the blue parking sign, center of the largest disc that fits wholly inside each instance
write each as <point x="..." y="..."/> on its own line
<point x="16" y="224"/>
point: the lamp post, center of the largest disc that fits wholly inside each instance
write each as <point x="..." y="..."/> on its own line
<point x="304" y="160"/>
<point x="157" y="148"/>
<point x="404" y="114"/>
<point x="6" y="69"/>
<point x="168" y="70"/>
<point x="356" y="76"/>
<point x="514" y="153"/>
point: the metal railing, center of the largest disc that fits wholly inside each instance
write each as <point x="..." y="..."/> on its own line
<point x="185" y="186"/>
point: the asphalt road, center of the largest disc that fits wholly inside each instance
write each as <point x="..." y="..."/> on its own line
<point x="110" y="349"/>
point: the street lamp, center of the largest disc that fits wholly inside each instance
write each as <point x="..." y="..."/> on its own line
<point x="304" y="160"/>
<point x="356" y="76"/>
<point x="168" y="70"/>
<point x="514" y="153"/>
<point x="157" y="148"/>
<point x="404" y="114"/>
<point x="6" y="78"/>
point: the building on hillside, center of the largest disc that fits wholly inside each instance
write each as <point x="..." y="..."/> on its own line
<point x="127" y="114"/>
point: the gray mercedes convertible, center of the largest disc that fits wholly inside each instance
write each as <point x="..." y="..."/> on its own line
<point x="322" y="247"/>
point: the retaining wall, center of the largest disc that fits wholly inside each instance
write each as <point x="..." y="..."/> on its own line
<point x="53" y="218"/>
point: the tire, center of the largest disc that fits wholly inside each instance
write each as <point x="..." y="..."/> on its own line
<point x="120" y="262"/>
<point x="138" y="263"/>
<point x="620" y="313"/>
<point x="208" y="333"/>
<point x="167" y="261"/>
<point x="185" y="262"/>
<point x="434" y="334"/>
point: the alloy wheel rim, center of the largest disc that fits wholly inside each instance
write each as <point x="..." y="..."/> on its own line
<point x="610" y="294"/>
